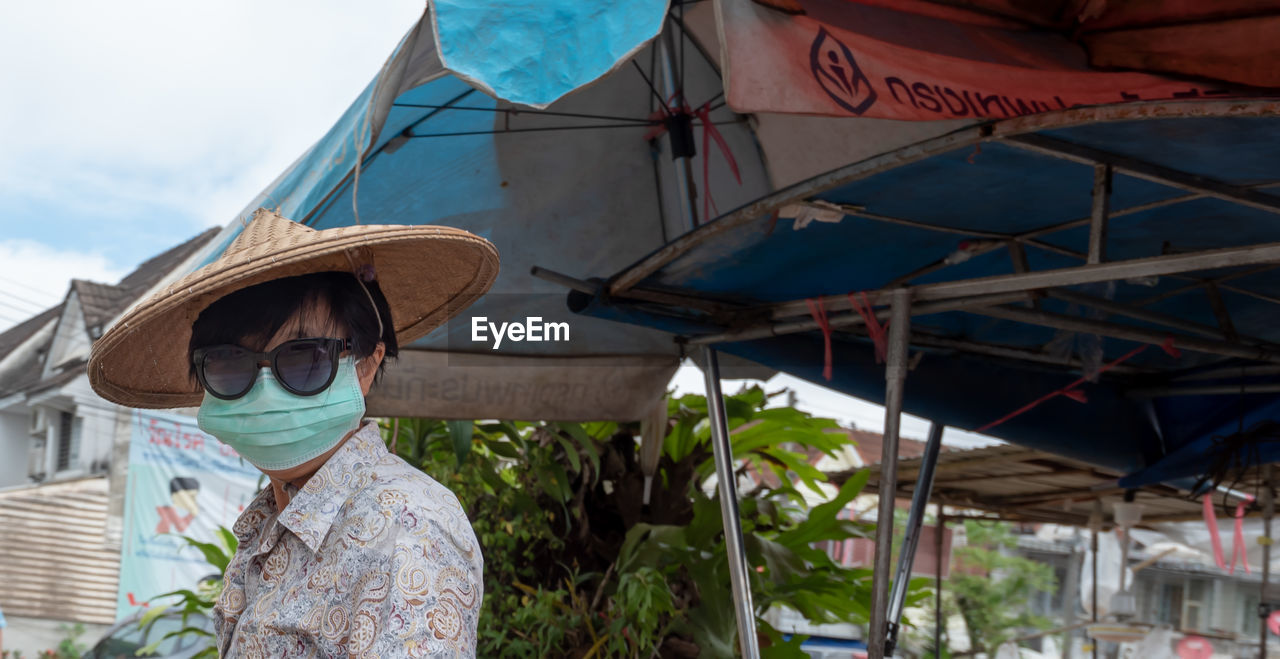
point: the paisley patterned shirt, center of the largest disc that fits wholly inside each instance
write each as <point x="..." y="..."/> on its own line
<point x="371" y="558"/>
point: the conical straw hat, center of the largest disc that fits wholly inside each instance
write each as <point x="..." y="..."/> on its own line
<point x="427" y="273"/>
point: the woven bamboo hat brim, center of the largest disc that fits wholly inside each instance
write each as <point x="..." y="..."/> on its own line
<point x="427" y="273"/>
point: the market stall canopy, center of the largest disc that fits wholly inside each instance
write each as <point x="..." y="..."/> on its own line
<point x="584" y="185"/>
<point x="1136" y="244"/>
<point x="577" y="187"/>
<point x="925" y="61"/>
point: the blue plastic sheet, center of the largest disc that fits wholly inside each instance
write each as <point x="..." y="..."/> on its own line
<point x="533" y="53"/>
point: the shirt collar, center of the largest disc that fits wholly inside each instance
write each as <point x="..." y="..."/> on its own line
<point x="311" y="511"/>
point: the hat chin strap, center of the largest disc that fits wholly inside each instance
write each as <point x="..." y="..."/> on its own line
<point x="355" y="271"/>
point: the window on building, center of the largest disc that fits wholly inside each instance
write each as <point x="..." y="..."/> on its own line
<point x="1195" y="605"/>
<point x="68" y="441"/>
<point x="1249" y="616"/>
<point x="1169" y="605"/>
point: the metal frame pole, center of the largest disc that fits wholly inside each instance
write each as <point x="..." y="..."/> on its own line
<point x="911" y="534"/>
<point x="940" y="543"/>
<point x="1268" y="511"/>
<point x="743" y="608"/>
<point x="1096" y="524"/>
<point x="1101" y="209"/>
<point x="683" y="174"/>
<point x="895" y="380"/>
<point x="722" y="450"/>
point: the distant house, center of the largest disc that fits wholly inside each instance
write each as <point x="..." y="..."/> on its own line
<point x="64" y="452"/>
<point x="1190" y="595"/>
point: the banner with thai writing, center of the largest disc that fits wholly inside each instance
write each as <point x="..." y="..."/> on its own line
<point x="844" y="58"/>
<point x="181" y="482"/>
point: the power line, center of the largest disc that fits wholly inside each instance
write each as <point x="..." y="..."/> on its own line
<point x="27" y="286"/>
<point x="38" y="306"/>
<point x="17" y="308"/>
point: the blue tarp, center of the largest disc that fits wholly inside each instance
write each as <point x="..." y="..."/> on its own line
<point x="579" y="190"/>
<point x="989" y="186"/>
<point x="575" y="188"/>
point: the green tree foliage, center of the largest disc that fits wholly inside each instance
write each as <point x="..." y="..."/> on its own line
<point x="992" y="588"/>
<point x="577" y="566"/>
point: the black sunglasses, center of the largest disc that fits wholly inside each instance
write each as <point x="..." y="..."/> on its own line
<point x="304" y="367"/>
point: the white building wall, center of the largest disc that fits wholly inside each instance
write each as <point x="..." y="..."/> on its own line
<point x="72" y="340"/>
<point x="98" y="425"/>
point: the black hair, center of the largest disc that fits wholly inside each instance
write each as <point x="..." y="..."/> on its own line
<point x="183" y="484"/>
<point x="251" y="316"/>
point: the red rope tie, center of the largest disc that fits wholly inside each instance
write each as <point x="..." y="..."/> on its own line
<point x="820" y="317"/>
<point x="1076" y="395"/>
<point x="1211" y="524"/>
<point x="1237" y="542"/>
<point x="1169" y="348"/>
<point x="710" y="132"/>
<point x="879" y="333"/>
<point x="1069" y="391"/>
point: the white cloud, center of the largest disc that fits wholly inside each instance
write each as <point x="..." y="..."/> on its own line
<point x="34" y="277"/>
<point x="189" y="105"/>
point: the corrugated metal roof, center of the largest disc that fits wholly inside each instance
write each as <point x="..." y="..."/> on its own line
<point x="54" y="559"/>
<point x="1023" y="484"/>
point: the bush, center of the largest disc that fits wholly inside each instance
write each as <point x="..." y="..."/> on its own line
<point x="577" y="566"/>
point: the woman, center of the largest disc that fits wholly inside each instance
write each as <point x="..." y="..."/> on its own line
<point x="350" y="551"/>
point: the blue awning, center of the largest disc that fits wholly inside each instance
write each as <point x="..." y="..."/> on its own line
<point x="1186" y="179"/>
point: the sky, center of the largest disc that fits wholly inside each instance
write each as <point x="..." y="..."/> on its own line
<point x="132" y="126"/>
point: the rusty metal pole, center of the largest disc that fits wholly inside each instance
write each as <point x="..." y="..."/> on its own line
<point x="1095" y="524"/>
<point x="937" y="595"/>
<point x="1268" y="511"/>
<point x="895" y="380"/>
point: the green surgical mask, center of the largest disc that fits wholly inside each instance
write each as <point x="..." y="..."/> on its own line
<point x="274" y="429"/>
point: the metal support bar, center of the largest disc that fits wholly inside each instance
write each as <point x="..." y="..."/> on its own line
<point x="1138" y="313"/>
<point x="1268" y="511"/>
<point x="1229" y="372"/>
<point x="1006" y="352"/>
<point x="911" y="534"/>
<point x="1086" y="274"/>
<point x="1124" y="556"/>
<point x="1211" y="390"/>
<point x="1128" y="333"/>
<point x="1071" y="593"/>
<point x="1099" y="217"/>
<point x="683" y="174"/>
<point x="571" y="283"/>
<point x="937" y="589"/>
<point x="895" y="380"/>
<point x="1200" y="283"/>
<point x="1018" y="254"/>
<point x="1095" y="527"/>
<point x="1220" y="311"/>
<point x="722" y="451"/>
<point x="850" y="320"/>
<point x="1147" y="171"/>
